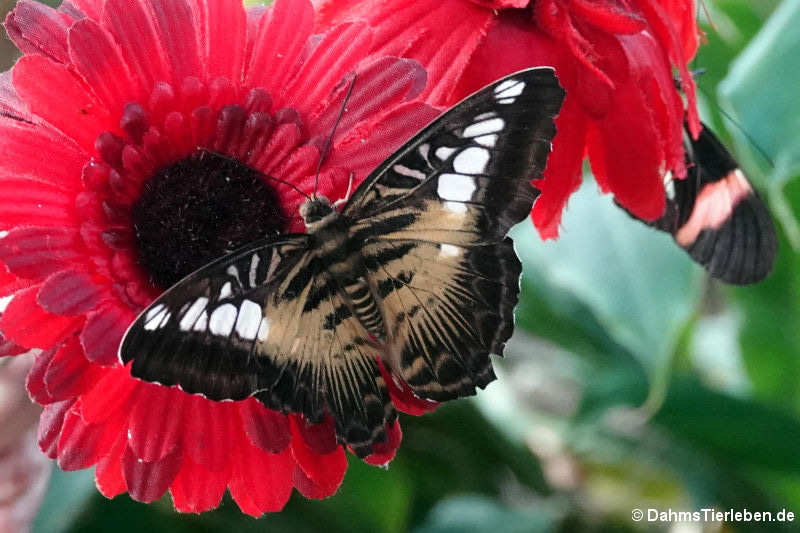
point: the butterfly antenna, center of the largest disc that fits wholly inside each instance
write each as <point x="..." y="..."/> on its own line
<point x="329" y="141"/>
<point x="273" y="178"/>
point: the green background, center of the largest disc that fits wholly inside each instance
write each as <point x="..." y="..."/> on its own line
<point x="633" y="381"/>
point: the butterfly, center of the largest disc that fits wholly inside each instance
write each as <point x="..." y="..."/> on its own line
<point x="716" y="215"/>
<point x="415" y="270"/>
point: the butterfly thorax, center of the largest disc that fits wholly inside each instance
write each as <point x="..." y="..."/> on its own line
<point x="331" y="240"/>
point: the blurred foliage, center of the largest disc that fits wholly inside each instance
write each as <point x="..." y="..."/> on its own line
<point x="632" y="382"/>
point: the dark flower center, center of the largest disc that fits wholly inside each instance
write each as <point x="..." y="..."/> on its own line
<point x="199" y="209"/>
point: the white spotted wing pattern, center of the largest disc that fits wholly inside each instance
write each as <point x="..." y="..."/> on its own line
<point x="415" y="271"/>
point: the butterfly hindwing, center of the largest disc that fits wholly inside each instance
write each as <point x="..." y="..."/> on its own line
<point x="716" y="215"/>
<point x="447" y="308"/>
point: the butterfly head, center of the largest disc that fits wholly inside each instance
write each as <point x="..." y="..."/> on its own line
<point x="317" y="212"/>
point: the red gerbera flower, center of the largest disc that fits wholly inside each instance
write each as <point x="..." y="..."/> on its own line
<point x="614" y="58"/>
<point x="191" y="97"/>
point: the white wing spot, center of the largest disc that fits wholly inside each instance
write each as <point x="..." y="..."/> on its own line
<point x="455" y="207"/>
<point x="193" y="313"/>
<point x="249" y="320"/>
<point x="263" y="329"/>
<point x="226" y="290"/>
<point x="456" y="187"/>
<point x="202" y="322"/>
<point x="509" y="89"/>
<point x="233" y="271"/>
<point x="157" y="317"/>
<point x="409" y="172"/>
<point x="487" y="140"/>
<point x="444" y="152"/>
<point x="485" y="127"/>
<point x="448" y="250"/>
<point x="473" y="160"/>
<point x="153" y="311"/>
<point x="222" y="320"/>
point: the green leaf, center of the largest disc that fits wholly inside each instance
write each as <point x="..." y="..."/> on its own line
<point x="770" y="337"/>
<point x="474" y="514"/>
<point x="761" y="89"/>
<point x="67" y="496"/>
<point x="638" y="285"/>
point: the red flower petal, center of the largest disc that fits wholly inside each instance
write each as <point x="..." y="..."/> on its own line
<point x="402" y="397"/>
<point x="102" y="334"/>
<point x="39" y="252"/>
<point x="440" y="34"/>
<point x="320" y="438"/>
<point x="282" y="34"/>
<point x="223" y="52"/>
<point x="25" y="322"/>
<point x="336" y="55"/>
<point x="81" y="445"/>
<point x="110" y="397"/>
<point x="154" y="429"/>
<point x="35" y="380"/>
<point x="197" y="489"/>
<point x="502" y="4"/>
<point x="62" y="166"/>
<point x="148" y="481"/>
<point x="50" y="425"/>
<point x="8" y="348"/>
<point x="108" y="475"/>
<point x="9" y="283"/>
<point x="39" y="29"/>
<point x="384" y="452"/>
<point x="74" y="112"/>
<point x="33" y="203"/>
<point x="324" y="471"/>
<point x="69" y="374"/>
<point x="563" y="174"/>
<point x="306" y="486"/>
<point x="382" y="84"/>
<point x="70" y="292"/>
<point x="255" y="494"/>
<point x="266" y="429"/>
<point x="206" y="427"/>
<point x="175" y="26"/>
<point x="92" y="8"/>
<point x="98" y="60"/>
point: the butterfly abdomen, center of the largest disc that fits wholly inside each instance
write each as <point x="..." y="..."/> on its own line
<point x="342" y="259"/>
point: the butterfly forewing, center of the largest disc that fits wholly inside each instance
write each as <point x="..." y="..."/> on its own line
<point x="465" y="179"/>
<point x="432" y="293"/>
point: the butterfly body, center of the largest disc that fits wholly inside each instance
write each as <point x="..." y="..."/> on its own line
<point x="340" y="255"/>
<point x="415" y="271"/>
